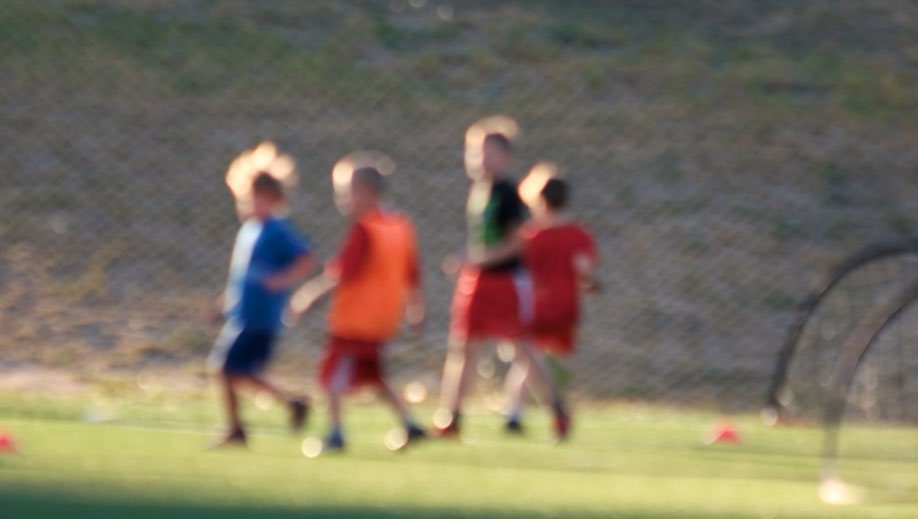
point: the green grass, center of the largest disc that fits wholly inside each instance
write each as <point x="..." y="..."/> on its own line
<point x="625" y="461"/>
<point x="677" y="50"/>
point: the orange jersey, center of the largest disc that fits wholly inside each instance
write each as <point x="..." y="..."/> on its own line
<point x="369" y="302"/>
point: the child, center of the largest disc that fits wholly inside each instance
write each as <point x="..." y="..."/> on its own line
<point x="374" y="279"/>
<point x="493" y="292"/>
<point x="268" y="260"/>
<point x="561" y="258"/>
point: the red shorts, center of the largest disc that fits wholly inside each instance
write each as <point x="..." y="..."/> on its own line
<point x="554" y="327"/>
<point x="491" y="305"/>
<point x="351" y="364"/>
<point x="558" y="339"/>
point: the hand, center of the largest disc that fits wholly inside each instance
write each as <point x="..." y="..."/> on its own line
<point x="213" y="314"/>
<point x="452" y="264"/>
<point x="590" y="285"/>
<point x="291" y="318"/>
<point x="416" y="313"/>
<point x="293" y="314"/>
<point x="300" y="304"/>
<point x="585" y="266"/>
<point x="307" y="296"/>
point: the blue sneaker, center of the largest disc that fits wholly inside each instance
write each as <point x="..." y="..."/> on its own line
<point x="333" y="443"/>
<point x="514" y="426"/>
<point x="415" y="433"/>
<point x="410" y="435"/>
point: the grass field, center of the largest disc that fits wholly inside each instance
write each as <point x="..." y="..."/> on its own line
<point x="149" y="460"/>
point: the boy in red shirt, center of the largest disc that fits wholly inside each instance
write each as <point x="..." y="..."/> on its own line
<point x="561" y="258"/>
<point x="492" y="299"/>
<point x="373" y="280"/>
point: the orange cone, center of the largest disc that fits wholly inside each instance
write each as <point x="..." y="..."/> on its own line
<point x="7" y="443"/>
<point x="724" y="432"/>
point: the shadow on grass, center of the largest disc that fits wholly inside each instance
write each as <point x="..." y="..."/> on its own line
<point x="39" y="506"/>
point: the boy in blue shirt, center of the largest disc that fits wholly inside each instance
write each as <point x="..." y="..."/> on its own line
<point x="269" y="259"/>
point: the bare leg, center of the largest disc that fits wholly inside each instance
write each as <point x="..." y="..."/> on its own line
<point x="340" y="383"/>
<point x="413" y="432"/>
<point x="230" y="401"/>
<point x="298" y="408"/>
<point x="235" y="435"/>
<point x="538" y="372"/>
<point x="452" y="371"/>
<point x="264" y="385"/>
<point x="457" y="372"/>
<point x="397" y="403"/>
<point x="334" y="409"/>
<point x="515" y="385"/>
<point x="470" y="359"/>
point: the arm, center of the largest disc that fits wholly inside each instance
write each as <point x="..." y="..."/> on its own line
<point x="346" y="264"/>
<point x="511" y="214"/>
<point x="290" y="276"/>
<point x="585" y="266"/>
<point x="215" y="310"/>
<point x="286" y="243"/>
<point x="416" y="311"/>
<point x="416" y="306"/>
<point x="310" y="293"/>
<point x="510" y="247"/>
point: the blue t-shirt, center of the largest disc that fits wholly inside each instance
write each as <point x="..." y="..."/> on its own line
<point x="262" y="249"/>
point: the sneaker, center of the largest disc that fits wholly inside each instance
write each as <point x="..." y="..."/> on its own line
<point x="514" y="426"/>
<point x="333" y="443"/>
<point x="562" y="425"/>
<point x="299" y="411"/>
<point x="450" y="430"/>
<point x="415" y="433"/>
<point x="399" y="440"/>
<point x="234" y="438"/>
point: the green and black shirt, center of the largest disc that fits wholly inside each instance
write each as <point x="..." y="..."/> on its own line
<point x="494" y="210"/>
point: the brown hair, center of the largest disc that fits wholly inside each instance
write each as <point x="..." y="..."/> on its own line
<point x="555" y="193"/>
<point x="500" y="140"/>
<point x="265" y="184"/>
<point x="369" y="177"/>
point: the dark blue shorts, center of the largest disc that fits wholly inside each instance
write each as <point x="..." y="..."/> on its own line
<point x="247" y="353"/>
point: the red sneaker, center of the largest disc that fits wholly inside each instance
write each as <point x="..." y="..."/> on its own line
<point x="562" y="425"/>
<point x="446" y="425"/>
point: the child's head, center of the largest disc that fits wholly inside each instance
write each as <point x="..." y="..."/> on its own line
<point x="496" y="153"/>
<point x="367" y="185"/>
<point x="267" y="195"/>
<point x="553" y="198"/>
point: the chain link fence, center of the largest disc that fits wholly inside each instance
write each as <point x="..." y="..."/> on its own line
<point x="724" y="155"/>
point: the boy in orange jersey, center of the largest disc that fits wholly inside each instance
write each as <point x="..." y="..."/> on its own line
<point x="374" y="279"/>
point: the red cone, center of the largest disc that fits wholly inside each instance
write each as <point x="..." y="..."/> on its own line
<point x="724" y="432"/>
<point x="7" y="443"/>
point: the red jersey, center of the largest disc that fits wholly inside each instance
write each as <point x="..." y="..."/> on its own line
<point x="550" y="253"/>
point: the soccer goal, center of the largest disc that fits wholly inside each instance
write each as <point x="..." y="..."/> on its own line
<point x="831" y="324"/>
